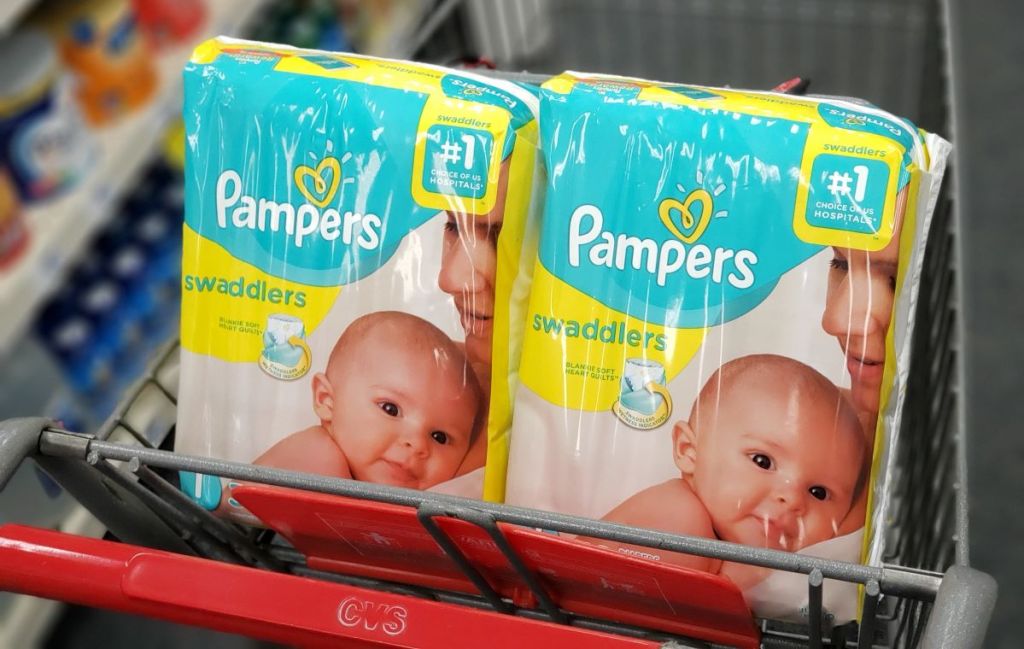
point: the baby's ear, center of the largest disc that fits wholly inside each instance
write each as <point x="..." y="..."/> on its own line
<point x="323" y="397"/>
<point x="684" y="447"/>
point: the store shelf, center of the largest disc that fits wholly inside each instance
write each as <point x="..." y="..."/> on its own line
<point x="62" y="227"/>
<point x="11" y="12"/>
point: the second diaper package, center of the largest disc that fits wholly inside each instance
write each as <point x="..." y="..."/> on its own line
<point x="717" y="336"/>
<point x="353" y="244"/>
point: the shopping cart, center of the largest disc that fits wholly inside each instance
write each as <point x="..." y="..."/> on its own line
<point x="479" y="578"/>
<point x="178" y="562"/>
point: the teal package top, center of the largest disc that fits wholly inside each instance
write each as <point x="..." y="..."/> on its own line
<point x="252" y="200"/>
<point x="745" y="168"/>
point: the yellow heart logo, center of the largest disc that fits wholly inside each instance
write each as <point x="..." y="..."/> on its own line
<point x="695" y="225"/>
<point x="321" y="187"/>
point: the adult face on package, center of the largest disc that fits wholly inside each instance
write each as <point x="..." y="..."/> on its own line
<point x="468" y="268"/>
<point x="858" y="310"/>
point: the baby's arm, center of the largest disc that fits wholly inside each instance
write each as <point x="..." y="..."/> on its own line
<point x="311" y="450"/>
<point x="668" y="507"/>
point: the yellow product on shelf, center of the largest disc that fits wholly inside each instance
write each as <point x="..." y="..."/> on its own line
<point x="13" y="234"/>
<point x="174" y="144"/>
<point x="99" y="41"/>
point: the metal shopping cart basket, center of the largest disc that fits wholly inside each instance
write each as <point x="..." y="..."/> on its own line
<point x="476" y="573"/>
<point x="176" y="561"/>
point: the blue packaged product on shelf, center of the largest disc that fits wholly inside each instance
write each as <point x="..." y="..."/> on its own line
<point x="70" y="337"/>
<point x="130" y="267"/>
<point x="160" y="235"/>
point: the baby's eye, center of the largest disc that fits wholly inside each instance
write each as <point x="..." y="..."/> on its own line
<point x="761" y="460"/>
<point x="439" y="436"/>
<point x="451" y="227"/>
<point x="389" y="408"/>
<point x="839" y="264"/>
<point x="821" y="493"/>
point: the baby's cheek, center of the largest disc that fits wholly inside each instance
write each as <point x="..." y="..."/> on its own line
<point x="826" y="524"/>
<point x="455" y="457"/>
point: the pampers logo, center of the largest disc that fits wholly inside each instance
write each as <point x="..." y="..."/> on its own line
<point x="644" y="402"/>
<point x="475" y="90"/>
<point x="319" y="185"/>
<point x="589" y="240"/>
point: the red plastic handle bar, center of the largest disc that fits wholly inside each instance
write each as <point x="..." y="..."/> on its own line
<point x="258" y="603"/>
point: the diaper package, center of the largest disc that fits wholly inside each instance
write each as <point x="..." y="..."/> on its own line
<point x="354" y="240"/>
<point x="718" y="331"/>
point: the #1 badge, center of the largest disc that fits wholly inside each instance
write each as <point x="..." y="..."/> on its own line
<point x="285" y="353"/>
<point x="644" y="402"/>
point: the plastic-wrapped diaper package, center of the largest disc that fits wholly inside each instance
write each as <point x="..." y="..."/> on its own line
<point x="717" y="334"/>
<point x="355" y="237"/>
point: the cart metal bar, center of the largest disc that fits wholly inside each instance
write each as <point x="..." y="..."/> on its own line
<point x="814" y="581"/>
<point x="219" y="528"/>
<point x="868" y="619"/>
<point x="426" y="512"/>
<point x="194" y="535"/>
<point x="951" y="36"/>
<point x="892" y="580"/>
<point x="962" y="610"/>
<point x="118" y="417"/>
<point x="487" y="523"/>
<point x="19" y="439"/>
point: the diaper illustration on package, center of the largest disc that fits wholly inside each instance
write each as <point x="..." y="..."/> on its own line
<point x="718" y="327"/>
<point x="285" y="353"/>
<point x="356" y="241"/>
<point x="644" y="402"/>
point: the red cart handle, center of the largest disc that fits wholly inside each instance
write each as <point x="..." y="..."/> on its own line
<point x="258" y="603"/>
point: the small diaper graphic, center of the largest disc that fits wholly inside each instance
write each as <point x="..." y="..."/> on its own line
<point x="285" y="354"/>
<point x="644" y="402"/>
